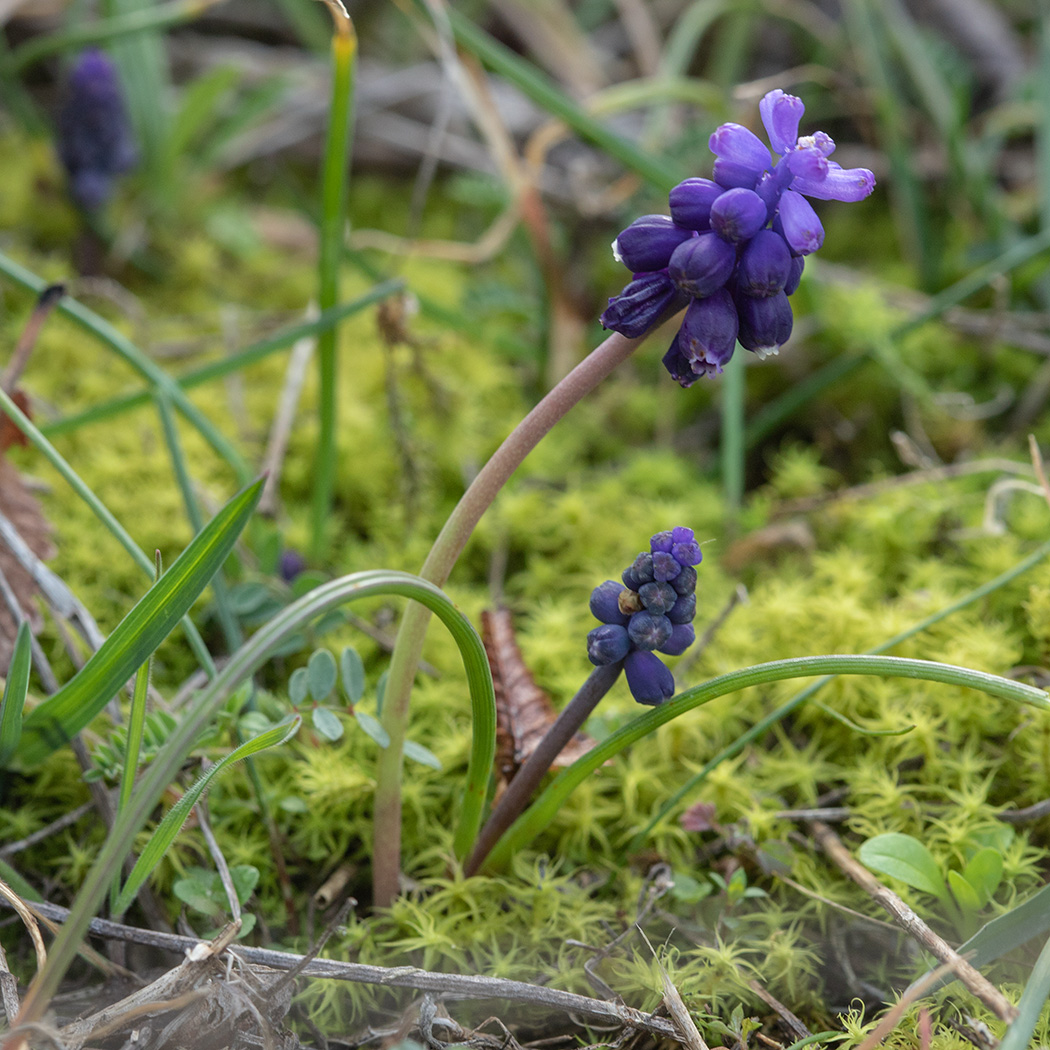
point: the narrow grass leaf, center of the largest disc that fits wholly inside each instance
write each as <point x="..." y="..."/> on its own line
<point x="171" y="825"/>
<point x="15" y="690"/>
<point x="59" y="718"/>
<point x="1030" y="1006"/>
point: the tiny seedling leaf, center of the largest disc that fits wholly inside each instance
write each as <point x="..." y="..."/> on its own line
<point x="327" y="723"/>
<point x="984" y="872"/>
<point x="965" y="895"/>
<point x="298" y="686"/>
<point x="371" y="727"/>
<point x="906" y="858"/>
<point x="15" y="689"/>
<point x="322" y="675"/>
<point x="353" y="674"/>
<point x="169" y="827"/>
<point x="421" y="754"/>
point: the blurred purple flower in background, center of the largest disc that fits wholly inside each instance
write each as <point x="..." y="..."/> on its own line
<point x="652" y="610"/>
<point x="94" y="138"/>
<point x="732" y="249"/>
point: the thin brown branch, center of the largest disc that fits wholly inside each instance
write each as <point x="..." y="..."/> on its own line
<point x="456" y="986"/>
<point x="908" y="921"/>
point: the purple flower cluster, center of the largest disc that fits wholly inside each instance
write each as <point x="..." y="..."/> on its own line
<point x="652" y="613"/>
<point x="732" y="250"/>
<point x="94" y="139"/>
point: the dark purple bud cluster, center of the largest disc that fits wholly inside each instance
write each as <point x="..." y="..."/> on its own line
<point x="732" y="250"/>
<point x="94" y="139"/>
<point x="651" y="611"/>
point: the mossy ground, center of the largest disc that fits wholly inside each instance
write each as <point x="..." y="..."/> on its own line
<point x="936" y="762"/>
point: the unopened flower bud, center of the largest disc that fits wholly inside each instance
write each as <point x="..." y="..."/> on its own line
<point x="657" y="597"/>
<point x="683" y="611"/>
<point x="738" y="215"/>
<point x="682" y="636"/>
<point x="649" y="680"/>
<point x="643" y="304"/>
<point x="648" y="242"/>
<point x="605" y="605"/>
<point x="765" y="265"/>
<point x="765" y="324"/>
<point x="691" y="202"/>
<point x="703" y="265"/>
<point x="607" y="644"/>
<point x="648" y="630"/>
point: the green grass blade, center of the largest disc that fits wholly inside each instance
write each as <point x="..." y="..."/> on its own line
<point x="101" y="511"/>
<point x="334" y="194"/>
<point x="250" y="355"/>
<point x="60" y="717"/>
<point x="129" y="352"/>
<point x="161" y="839"/>
<point x="1030" y="1006"/>
<point x="760" y="727"/>
<point x="1001" y="935"/>
<point x="523" y="75"/>
<point x="15" y="690"/>
<point x="542" y="811"/>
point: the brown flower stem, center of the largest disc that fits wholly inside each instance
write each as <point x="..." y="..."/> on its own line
<point x="527" y="779"/>
<point x="386" y="856"/>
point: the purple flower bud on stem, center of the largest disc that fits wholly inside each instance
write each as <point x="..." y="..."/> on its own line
<point x="685" y="581"/>
<point x="683" y="611"/>
<point x="765" y="265"/>
<point x="706" y="340"/>
<point x="682" y="636"/>
<point x="648" y="242"/>
<point x="605" y="605"/>
<point x="607" y="644"/>
<point x="691" y="202"/>
<point x="665" y="566"/>
<point x="703" y="265"/>
<point x="738" y="215"/>
<point x="765" y="324"/>
<point x="799" y="223"/>
<point x="741" y="147"/>
<point x="649" y="680"/>
<point x="648" y="630"/>
<point x="657" y="597"/>
<point x="643" y="304"/>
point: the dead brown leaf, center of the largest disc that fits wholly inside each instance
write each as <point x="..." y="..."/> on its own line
<point x="524" y="712"/>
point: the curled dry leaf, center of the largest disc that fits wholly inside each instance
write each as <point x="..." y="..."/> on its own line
<point x="524" y="712"/>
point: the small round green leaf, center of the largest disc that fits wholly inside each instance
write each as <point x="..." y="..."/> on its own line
<point x="327" y="723"/>
<point x="353" y="674"/>
<point x="421" y="754"/>
<point x="372" y="728"/>
<point x="322" y="675"/>
<point x="906" y="858"/>
<point x="298" y="686"/>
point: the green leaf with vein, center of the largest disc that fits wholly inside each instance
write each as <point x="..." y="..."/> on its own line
<point x="171" y="825"/>
<point x="15" y="689"/>
<point x="905" y="858"/>
<point x="59" y="718"/>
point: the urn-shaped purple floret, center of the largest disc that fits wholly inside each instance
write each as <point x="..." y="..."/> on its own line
<point x="765" y="265"/>
<point x="648" y="242"/>
<point x="643" y="304"/>
<point x="701" y="266"/>
<point x="738" y="215"/>
<point x="690" y="202"/>
<point x="765" y="324"/>
<point x="649" y="680"/>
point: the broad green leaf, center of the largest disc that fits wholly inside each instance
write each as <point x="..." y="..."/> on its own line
<point x="245" y="877"/>
<point x="327" y="723"/>
<point x="322" y="674"/>
<point x="59" y="718"/>
<point x="15" y="689"/>
<point x="421" y="754"/>
<point x="906" y="858"/>
<point x="298" y="686"/>
<point x="984" y="872"/>
<point x="371" y="727"/>
<point x="172" y="823"/>
<point x="965" y="895"/>
<point x="353" y="674"/>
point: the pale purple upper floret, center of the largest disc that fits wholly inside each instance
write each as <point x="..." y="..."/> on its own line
<point x="732" y="250"/>
<point x="652" y="611"/>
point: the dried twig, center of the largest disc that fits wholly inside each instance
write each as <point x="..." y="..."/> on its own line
<point x="908" y="921"/>
<point x="456" y="986"/>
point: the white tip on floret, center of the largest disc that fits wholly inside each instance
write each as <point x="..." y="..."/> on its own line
<point x="766" y="351"/>
<point x="616" y="250"/>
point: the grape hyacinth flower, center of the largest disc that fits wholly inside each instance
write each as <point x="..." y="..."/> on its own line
<point x="732" y="250"/>
<point x="651" y="611"/>
<point x="94" y="138"/>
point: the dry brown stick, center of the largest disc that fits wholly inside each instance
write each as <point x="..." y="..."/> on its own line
<point x="457" y="986"/>
<point x="908" y="921"/>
